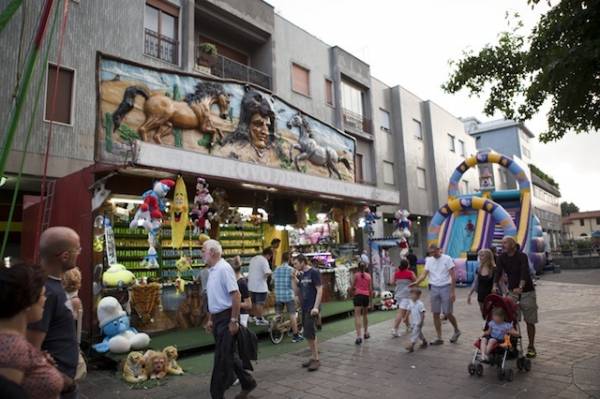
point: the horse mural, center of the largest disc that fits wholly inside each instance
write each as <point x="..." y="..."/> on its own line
<point x="163" y="113"/>
<point x="312" y="151"/>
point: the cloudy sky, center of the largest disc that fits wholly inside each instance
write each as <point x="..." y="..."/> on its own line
<point x="410" y="42"/>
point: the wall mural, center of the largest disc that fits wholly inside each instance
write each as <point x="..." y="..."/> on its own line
<point x="224" y="119"/>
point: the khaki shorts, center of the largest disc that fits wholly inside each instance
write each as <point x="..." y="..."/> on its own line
<point x="528" y="306"/>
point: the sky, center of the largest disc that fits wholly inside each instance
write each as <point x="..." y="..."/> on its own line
<point x="410" y="43"/>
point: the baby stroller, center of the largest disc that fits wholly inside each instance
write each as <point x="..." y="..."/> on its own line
<point x="511" y="348"/>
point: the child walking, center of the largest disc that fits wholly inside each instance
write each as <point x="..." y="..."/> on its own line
<point x="361" y="285"/>
<point x="496" y="330"/>
<point x="417" y="317"/>
<point x="401" y="279"/>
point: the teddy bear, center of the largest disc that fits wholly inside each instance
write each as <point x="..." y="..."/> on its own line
<point x="119" y="336"/>
<point x="387" y="301"/>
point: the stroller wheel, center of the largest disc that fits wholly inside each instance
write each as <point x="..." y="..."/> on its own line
<point x="509" y="375"/>
<point x="471" y="369"/>
<point x="479" y="370"/>
<point x="520" y="364"/>
<point x="526" y="364"/>
<point x="501" y="374"/>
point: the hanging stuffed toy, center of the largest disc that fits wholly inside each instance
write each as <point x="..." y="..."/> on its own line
<point x="402" y="231"/>
<point x="370" y="219"/>
<point x="202" y="203"/>
<point x="179" y="213"/>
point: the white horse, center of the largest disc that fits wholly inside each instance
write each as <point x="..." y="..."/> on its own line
<point x="309" y="149"/>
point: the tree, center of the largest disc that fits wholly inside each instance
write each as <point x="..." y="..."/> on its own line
<point x="567" y="208"/>
<point x="559" y="62"/>
<point x="539" y="173"/>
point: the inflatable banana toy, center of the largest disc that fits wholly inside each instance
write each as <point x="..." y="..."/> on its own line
<point x="179" y="213"/>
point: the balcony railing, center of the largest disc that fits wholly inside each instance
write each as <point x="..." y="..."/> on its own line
<point x="357" y="122"/>
<point x="161" y="47"/>
<point x="227" y="68"/>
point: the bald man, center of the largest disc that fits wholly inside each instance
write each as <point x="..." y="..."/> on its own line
<point x="516" y="266"/>
<point x="55" y="333"/>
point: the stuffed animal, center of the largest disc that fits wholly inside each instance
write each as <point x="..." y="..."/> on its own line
<point x="133" y="369"/>
<point x="155" y="365"/>
<point x="202" y="203"/>
<point x="172" y="366"/>
<point x="119" y="336"/>
<point x="387" y="301"/>
<point x="117" y="275"/>
<point x="150" y="261"/>
<point x="149" y="214"/>
<point x="402" y="231"/>
<point x="179" y="213"/>
<point x="370" y="219"/>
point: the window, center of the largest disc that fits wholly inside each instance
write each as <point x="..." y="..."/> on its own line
<point x="525" y="151"/>
<point x="461" y="147"/>
<point x="161" y="31"/>
<point x="300" y="80"/>
<point x="329" y="92"/>
<point x="417" y="129"/>
<point x="62" y="109"/>
<point x="465" y="187"/>
<point x="421" y="178"/>
<point x="388" y="172"/>
<point x="352" y="98"/>
<point x="451" y="143"/>
<point x="581" y="222"/>
<point x="477" y="139"/>
<point x="385" y="120"/>
<point x="358" y="168"/>
<point x="598" y="221"/>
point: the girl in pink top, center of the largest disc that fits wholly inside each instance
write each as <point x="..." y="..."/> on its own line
<point x="401" y="279"/>
<point x="361" y="287"/>
<point x="22" y="297"/>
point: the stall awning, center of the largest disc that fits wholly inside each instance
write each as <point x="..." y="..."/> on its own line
<point x="179" y="160"/>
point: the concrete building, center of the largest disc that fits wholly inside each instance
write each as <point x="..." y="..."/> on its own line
<point x="581" y="225"/>
<point x="403" y="143"/>
<point x="514" y="139"/>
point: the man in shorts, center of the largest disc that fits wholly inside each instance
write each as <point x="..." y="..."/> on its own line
<point x="285" y="286"/>
<point x="440" y="269"/>
<point x="516" y="266"/>
<point x="311" y="292"/>
<point x="258" y="273"/>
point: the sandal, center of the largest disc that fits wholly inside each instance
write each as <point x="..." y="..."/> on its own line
<point x="437" y="342"/>
<point x="367" y="335"/>
<point x="531" y="353"/>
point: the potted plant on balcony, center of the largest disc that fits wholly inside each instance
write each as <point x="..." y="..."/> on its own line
<point x="206" y="54"/>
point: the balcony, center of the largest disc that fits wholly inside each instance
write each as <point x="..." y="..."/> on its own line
<point x="161" y="47"/>
<point x="357" y="122"/>
<point x="229" y="69"/>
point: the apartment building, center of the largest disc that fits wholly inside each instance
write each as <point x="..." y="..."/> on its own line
<point x="404" y="144"/>
<point x="581" y="225"/>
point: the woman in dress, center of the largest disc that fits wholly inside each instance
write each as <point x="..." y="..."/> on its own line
<point x="22" y="296"/>
<point x="484" y="278"/>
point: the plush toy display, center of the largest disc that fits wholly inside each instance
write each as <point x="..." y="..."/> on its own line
<point x="202" y="203"/>
<point x="387" y="301"/>
<point x="119" y="337"/>
<point x="402" y="231"/>
<point x="117" y="275"/>
<point x="133" y="369"/>
<point x="179" y="213"/>
<point x="370" y="219"/>
<point x="155" y="365"/>
<point x="173" y="367"/>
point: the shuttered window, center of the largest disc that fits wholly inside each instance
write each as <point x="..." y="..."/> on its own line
<point x="329" y="92"/>
<point x="300" y="80"/>
<point x="62" y="108"/>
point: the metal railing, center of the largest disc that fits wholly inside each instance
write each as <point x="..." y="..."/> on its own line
<point x="227" y="68"/>
<point x="356" y="121"/>
<point x="161" y="47"/>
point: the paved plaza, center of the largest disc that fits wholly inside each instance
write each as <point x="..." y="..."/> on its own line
<point x="567" y="366"/>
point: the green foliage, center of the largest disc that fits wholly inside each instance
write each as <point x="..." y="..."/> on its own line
<point x="108" y="130"/>
<point x="128" y="134"/>
<point x="208" y="48"/>
<point x="583" y="245"/>
<point x="567" y="208"/>
<point x="547" y="178"/>
<point x="205" y="140"/>
<point x="558" y="62"/>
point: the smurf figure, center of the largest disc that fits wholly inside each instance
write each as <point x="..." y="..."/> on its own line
<point x="119" y="337"/>
<point x="153" y="206"/>
<point x="370" y="219"/>
<point x="151" y="260"/>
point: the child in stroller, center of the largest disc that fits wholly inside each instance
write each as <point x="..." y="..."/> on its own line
<point x="501" y="340"/>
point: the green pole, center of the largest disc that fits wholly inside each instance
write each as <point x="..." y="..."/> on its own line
<point x="8" y="13"/>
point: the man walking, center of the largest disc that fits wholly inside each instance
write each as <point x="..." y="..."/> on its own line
<point x="224" y="308"/>
<point x="311" y="292"/>
<point x="440" y="269"/>
<point x="258" y="274"/>
<point x="516" y="266"/>
<point x="285" y="286"/>
<point x="55" y="333"/>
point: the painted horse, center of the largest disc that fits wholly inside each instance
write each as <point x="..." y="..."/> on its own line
<point x="163" y="113"/>
<point x="309" y="149"/>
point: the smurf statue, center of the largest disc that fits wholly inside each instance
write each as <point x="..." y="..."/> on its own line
<point x="119" y="337"/>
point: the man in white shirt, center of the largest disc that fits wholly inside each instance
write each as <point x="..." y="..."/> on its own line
<point x="224" y="307"/>
<point x="442" y="280"/>
<point x="258" y="274"/>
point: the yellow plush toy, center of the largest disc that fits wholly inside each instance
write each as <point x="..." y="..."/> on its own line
<point x="117" y="275"/>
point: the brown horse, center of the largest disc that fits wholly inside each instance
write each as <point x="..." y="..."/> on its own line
<point x="163" y="113"/>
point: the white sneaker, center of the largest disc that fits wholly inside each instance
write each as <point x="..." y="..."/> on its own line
<point x="395" y="333"/>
